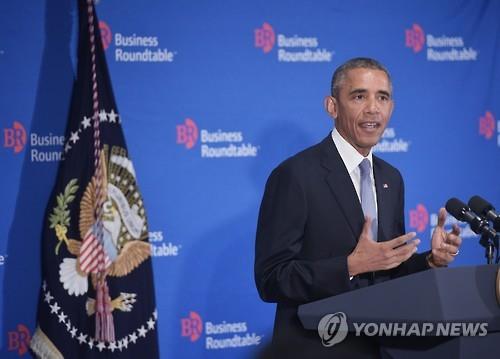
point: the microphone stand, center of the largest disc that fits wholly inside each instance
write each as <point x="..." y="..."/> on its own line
<point x="487" y="243"/>
<point x="496" y="243"/>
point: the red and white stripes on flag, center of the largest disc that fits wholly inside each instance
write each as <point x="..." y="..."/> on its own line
<point x="93" y="258"/>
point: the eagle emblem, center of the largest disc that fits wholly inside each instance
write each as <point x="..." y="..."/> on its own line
<point x="123" y="247"/>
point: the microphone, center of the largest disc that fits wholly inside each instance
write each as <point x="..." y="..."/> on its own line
<point x="460" y="211"/>
<point x="485" y="209"/>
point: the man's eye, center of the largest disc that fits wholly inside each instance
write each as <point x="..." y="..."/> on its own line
<point x="359" y="97"/>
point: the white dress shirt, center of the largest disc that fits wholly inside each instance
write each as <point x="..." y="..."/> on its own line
<point x="352" y="159"/>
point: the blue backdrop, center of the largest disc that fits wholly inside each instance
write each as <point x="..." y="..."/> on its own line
<point x="213" y="95"/>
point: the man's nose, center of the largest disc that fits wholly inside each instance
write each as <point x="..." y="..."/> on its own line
<point x="372" y="105"/>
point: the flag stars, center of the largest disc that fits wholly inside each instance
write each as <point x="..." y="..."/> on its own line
<point x="82" y="338"/>
<point x="112" y="116"/>
<point x="120" y="345"/>
<point x="86" y="122"/>
<point x="103" y="117"/>
<point x="73" y="332"/>
<point x="155" y="314"/>
<point x="74" y="137"/>
<point x="67" y="147"/>
<point x="101" y="346"/>
<point x="112" y="346"/>
<point x="48" y="297"/>
<point x="133" y="337"/>
<point x="151" y="323"/>
<point x="44" y="286"/>
<point x="68" y="325"/>
<point x="62" y="317"/>
<point x="54" y="308"/>
<point x="125" y="342"/>
<point x="142" y="331"/>
<point x="90" y="343"/>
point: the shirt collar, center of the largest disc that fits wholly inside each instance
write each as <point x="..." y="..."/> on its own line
<point x="351" y="157"/>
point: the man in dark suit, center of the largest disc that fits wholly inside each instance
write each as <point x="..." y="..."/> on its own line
<point x="332" y="216"/>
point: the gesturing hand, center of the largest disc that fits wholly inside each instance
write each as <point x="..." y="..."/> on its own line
<point x="445" y="245"/>
<point x="370" y="256"/>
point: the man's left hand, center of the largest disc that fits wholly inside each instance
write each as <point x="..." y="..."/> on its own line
<point x="444" y="245"/>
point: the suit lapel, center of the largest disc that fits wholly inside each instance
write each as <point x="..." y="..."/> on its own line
<point x="340" y="184"/>
<point x="381" y="186"/>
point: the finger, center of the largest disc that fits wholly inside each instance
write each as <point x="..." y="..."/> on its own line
<point x="400" y="258"/>
<point x="398" y="241"/>
<point x="403" y="256"/>
<point x="441" y="217"/>
<point x="448" y="248"/>
<point x="405" y="250"/>
<point x="452" y="250"/>
<point x="454" y="240"/>
<point x="442" y="257"/>
<point x="399" y="255"/>
<point x="456" y="230"/>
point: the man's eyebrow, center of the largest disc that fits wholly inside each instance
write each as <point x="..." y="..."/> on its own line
<point x="383" y="92"/>
<point x="357" y="91"/>
<point x="363" y="91"/>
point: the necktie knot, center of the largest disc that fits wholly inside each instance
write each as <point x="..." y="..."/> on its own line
<point x="365" y="167"/>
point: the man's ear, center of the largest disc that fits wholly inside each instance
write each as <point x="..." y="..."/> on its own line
<point x="331" y="106"/>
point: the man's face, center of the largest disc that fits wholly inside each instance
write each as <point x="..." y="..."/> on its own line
<point x="363" y="107"/>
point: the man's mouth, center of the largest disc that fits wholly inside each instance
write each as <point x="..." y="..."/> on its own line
<point x="369" y="125"/>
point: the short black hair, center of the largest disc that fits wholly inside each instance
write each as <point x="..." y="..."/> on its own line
<point x="355" y="63"/>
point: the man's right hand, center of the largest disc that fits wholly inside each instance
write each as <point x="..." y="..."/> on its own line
<point x="371" y="256"/>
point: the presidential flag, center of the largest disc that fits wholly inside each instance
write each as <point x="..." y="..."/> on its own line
<point x="97" y="298"/>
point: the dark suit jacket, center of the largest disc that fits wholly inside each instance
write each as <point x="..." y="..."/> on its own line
<point x="310" y="220"/>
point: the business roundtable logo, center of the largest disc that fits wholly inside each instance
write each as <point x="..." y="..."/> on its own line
<point x="133" y="47"/>
<point x="221" y="335"/>
<point x="43" y="147"/>
<point x="19" y="339"/>
<point x="14" y="137"/>
<point x="391" y="143"/>
<point x="439" y="48"/>
<point x="160" y="248"/>
<point x="291" y="48"/>
<point x="487" y="126"/>
<point x="419" y="218"/>
<point x="214" y="144"/>
<point x="421" y="221"/>
<point x="106" y="35"/>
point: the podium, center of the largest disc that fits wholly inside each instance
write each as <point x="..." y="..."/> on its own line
<point x="438" y="297"/>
